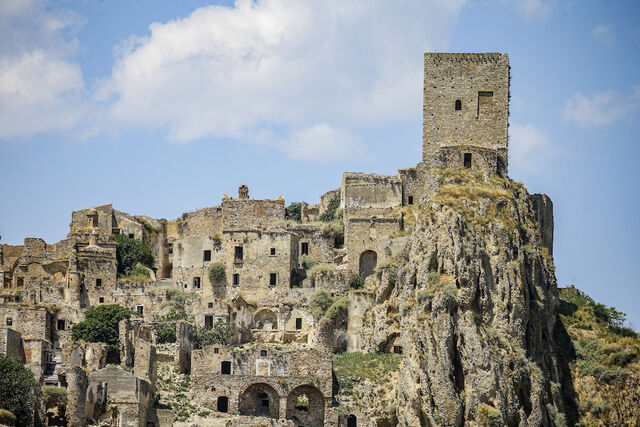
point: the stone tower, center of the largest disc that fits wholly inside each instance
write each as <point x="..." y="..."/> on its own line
<point x="465" y="110"/>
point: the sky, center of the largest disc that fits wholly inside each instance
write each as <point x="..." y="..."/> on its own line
<point x="160" y="107"/>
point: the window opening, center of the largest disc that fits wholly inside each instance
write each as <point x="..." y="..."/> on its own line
<point x="237" y="254"/>
<point x="208" y="321"/>
<point x="273" y="278"/>
<point x="61" y="324"/>
<point x="410" y="200"/>
<point x="9" y="321"/>
<point x="273" y="251"/>
<point x="196" y="282"/>
<point x="225" y="368"/>
<point x="101" y="300"/>
<point x="236" y="279"/>
<point x="207" y="255"/>
<point x="98" y="283"/>
<point x="223" y="404"/>
<point x="458" y="105"/>
<point x="299" y="323"/>
<point x="131" y="236"/>
<point x="263" y="353"/>
<point x="397" y="349"/>
<point x="139" y="309"/>
<point x="467" y="160"/>
<point x="304" y="248"/>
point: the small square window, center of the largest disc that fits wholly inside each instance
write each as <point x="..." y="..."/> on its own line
<point x="131" y="236"/>
<point x="196" y="282"/>
<point x="98" y="283"/>
<point x="9" y="321"/>
<point x="299" y="323"/>
<point x="273" y="279"/>
<point x="236" y="279"/>
<point x="216" y="350"/>
<point x="397" y="349"/>
<point x="185" y="286"/>
<point x="61" y="324"/>
<point x="273" y="251"/>
<point x="101" y="300"/>
<point x="140" y="309"/>
<point x="210" y="305"/>
<point x="207" y="255"/>
<point x="263" y="353"/>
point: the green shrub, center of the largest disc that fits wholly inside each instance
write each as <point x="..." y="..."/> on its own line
<point x="221" y="333"/>
<point x="177" y="298"/>
<point x="293" y="212"/>
<point x="622" y="358"/>
<point x="166" y="331"/>
<point x="433" y="277"/>
<point x="131" y="252"/>
<point x="7" y="418"/>
<point x="320" y="302"/>
<point x="423" y="295"/>
<point x="330" y="213"/>
<point x="55" y="397"/>
<point x="216" y="272"/>
<point x="140" y="273"/>
<point x="319" y="268"/>
<point x="351" y="368"/>
<point x="17" y="385"/>
<point x="338" y="311"/>
<point x="355" y="281"/>
<point x="100" y="324"/>
<point x="558" y="418"/>
<point x="308" y="262"/>
<point x="489" y="416"/>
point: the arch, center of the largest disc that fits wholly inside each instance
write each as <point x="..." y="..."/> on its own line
<point x="260" y="399"/>
<point x="368" y="262"/>
<point x="305" y="406"/>
<point x="265" y="319"/>
<point x="458" y="105"/>
<point x="352" y="421"/>
<point x="222" y="405"/>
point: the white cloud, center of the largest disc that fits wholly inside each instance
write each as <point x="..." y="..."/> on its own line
<point x="530" y="149"/>
<point x="604" y="35"/>
<point x="599" y="109"/>
<point x="310" y="69"/>
<point x="41" y="89"/>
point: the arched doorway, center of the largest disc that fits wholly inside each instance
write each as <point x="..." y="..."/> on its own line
<point x="222" y="404"/>
<point x="352" y="421"/>
<point x="368" y="262"/>
<point x="305" y="406"/>
<point x="265" y="319"/>
<point x="260" y="400"/>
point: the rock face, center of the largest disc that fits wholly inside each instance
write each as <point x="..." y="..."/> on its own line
<point x="472" y="305"/>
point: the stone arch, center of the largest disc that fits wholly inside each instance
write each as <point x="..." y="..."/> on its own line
<point x="352" y="421"/>
<point x="260" y="399"/>
<point x="305" y="406"/>
<point x="368" y="263"/>
<point x="265" y="319"/>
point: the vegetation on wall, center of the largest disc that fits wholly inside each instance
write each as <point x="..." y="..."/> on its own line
<point x="320" y="303"/>
<point x="353" y="368"/>
<point x="221" y="333"/>
<point x="55" y="397"/>
<point x="355" y="281"/>
<point x="131" y="252"/>
<point x="330" y="213"/>
<point x="166" y="329"/>
<point x="216" y="272"/>
<point x="17" y="385"/>
<point x="293" y="212"/>
<point x="100" y="324"/>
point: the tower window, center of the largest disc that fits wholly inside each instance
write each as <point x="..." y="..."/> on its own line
<point x="207" y="256"/>
<point x="458" y="105"/>
<point x="273" y="251"/>
<point x="236" y="279"/>
<point x="304" y="248"/>
<point x="397" y="349"/>
<point x="273" y="278"/>
<point x="467" y="160"/>
<point x="237" y="254"/>
<point x="298" y="323"/>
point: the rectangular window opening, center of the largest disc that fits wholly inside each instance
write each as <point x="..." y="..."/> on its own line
<point x="140" y="309"/>
<point x="101" y="300"/>
<point x="273" y="279"/>
<point x="61" y="324"/>
<point x="9" y="321"/>
<point x="237" y="254"/>
<point x="196" y="282"/>
<point x="131" y="236"/>
<point x="273" y="251"/>
<point x="482" y="94"/>
<point x="236" y="279"/>
<point x="410" y="200"/>
<point x="98" y="283"/>
<point x="207" y="256"/>
<point x="397" y="349"/>
<point x="208" y="321"/>
<point x="225" y="368"/>
<point x="216" y="350"/>
<point x="467" y="160"/>
<point x="298" y="323"/>
<point x="210" y="305"/>
<point x="304" y="248"/>
<point x="263" y="353"/>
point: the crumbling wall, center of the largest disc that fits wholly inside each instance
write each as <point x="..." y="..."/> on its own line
<point x="249" y="214"/>
<point x="360" y="190"/>
<point x="11" y="343"/>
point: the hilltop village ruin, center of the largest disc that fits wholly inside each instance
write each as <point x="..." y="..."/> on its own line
<point x="282" y="351"/>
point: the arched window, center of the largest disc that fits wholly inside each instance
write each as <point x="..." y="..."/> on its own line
<point x="352" y="421"/>
<point x="458" y="105"/>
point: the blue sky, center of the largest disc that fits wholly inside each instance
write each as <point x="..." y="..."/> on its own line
<point x="160" y="107"/>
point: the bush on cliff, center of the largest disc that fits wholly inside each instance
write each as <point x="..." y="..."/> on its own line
<point x="131" y="252"/>
<point x="216" y="272"/>
<point x="221" y="333"/>
<point x="320" y="302"/>
<point x="330" y="213"/>
<point x="17" y="385"/>
<point x="293" y="212"/>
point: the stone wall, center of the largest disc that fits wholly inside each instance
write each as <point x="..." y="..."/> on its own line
<point x="481" y="120"/>
<point x="11" y="343"/>
<point x="369" y="234"/>
<point x="30" y="322"/>
<point x="248" y="214"/>
<point x="360" y="190"/>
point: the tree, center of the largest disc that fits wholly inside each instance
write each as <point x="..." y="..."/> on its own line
<point x="320" y="302"/>
<point x="131" y="252"/>
<point x="100" y="324"/>
<point x="293" y="212"/>
<point x="17" y="386"/>
<point x="221" y="333"/>
<point x="330" y="213"/>
<point x="166" y="331"/>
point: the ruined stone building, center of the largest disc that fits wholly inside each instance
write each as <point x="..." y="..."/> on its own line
<point x="282" y="350"/>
